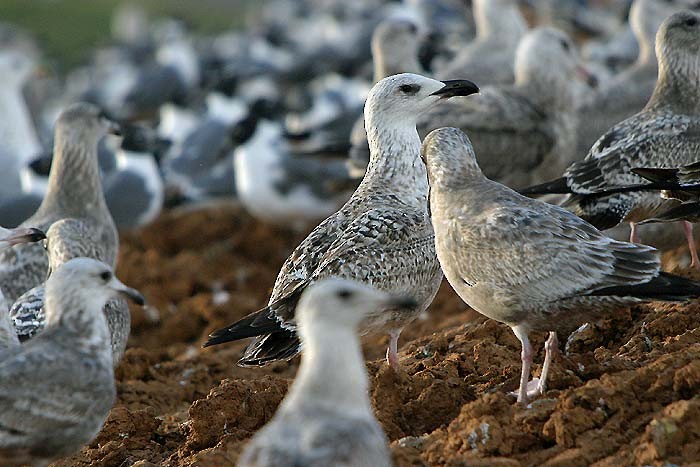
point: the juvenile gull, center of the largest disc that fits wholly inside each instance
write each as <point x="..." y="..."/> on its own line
<point x="528" y="264"/>
<point x="664" y="134"/>
<point x="394" y="51"/>
<point x="524" y="132"/>
<point x="74" y="191"/>
<point x="628" y="92"/>
<point x="57" y="389"/>
<point x="67" y="239"/>
<point x="8" y="238"/>
<point x="381" y="237"/>
<point x="326" y="418"/>
<point x="489" y="58"/>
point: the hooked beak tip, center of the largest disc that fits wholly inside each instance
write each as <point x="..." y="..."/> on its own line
<point x="402" y="302"/>
<point x="133" y="295"/>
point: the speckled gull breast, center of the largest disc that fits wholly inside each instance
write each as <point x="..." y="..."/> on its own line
<point x="74" y="191"/>
<point x="56" y="390"/>
<point x="529" y="264"/>
<point x="326" y="418"/>
<point x="381" y="237"/>
<point x="67" y="239"/>
<point x="666" y="133"/>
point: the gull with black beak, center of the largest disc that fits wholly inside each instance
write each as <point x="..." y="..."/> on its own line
<point x="381" y="237"/>
<point x="74" y="191"/>
<point x="57" y="389"/>
<point x="529" y="264"/>
<point x="326" y="418"/>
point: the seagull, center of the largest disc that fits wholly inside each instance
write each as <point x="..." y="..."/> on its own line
<point x="524" y="132"/>
<point x="326" y="418"/>
<point x="664" y="134"/>
<point x="57" y="390"/>
<point x="529" y="264"/>
<point x="74" y="191"/>
<point x="8" y="238"/>
<point x="628" y="92"/>
<point x="381" y="237"/>
<point x="489" y="57"/>
<point x="67" y="239"/>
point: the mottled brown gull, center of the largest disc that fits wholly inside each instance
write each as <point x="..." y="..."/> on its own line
<point x="529" y="264"/>
<point x="57" y="389"/>
<point x="381" y="237"/>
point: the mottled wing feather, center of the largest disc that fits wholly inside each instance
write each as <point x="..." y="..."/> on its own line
<point x="545" y="253"/>
<point x="27" y="313"/>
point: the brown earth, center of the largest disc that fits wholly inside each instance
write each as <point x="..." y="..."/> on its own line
<point x="626" y="393"/>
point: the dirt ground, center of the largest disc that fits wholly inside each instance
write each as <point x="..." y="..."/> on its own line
<point x="625" y="394"/>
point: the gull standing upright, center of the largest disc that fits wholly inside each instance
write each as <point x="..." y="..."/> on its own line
<point x="57" y="390"/>
<point x="326" y="418"/>
<point x="74" y="191"/>
<point x="529" y="264"/>
<point x="665" y="134"/>
<point x="381" y="237"/>
<point x="67" y="239"/>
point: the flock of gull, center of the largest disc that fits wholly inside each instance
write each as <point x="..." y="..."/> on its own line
<point x="413" y="185"/>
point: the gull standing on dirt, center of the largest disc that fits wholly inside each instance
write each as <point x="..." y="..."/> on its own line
<point x="8" y="238"/>
<point x="489" y="57"/>
<point x="326" y="418"/>
<point x="56" y="390"/>
<point x="666" y="133"/>
<point x="67" y="239"/>
<point x="524" y="132"/>
<point x="381" y="237"/>
<point x="529" y="264"/>
<point x="74" y="191"/>
<point x="628" y="92"/>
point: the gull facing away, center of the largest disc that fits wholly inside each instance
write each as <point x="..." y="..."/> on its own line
<point x="67" y="239"/>
<point x="74" y="191"/>
<point x="381" y="237"/>
<point x="529" y="264"/>
<point x="8" y="238"/>
<point x="57" y="389"/>
<point x="665" y="134"/>
<point x="525" y="132"/>
<point x="326" y="418"/>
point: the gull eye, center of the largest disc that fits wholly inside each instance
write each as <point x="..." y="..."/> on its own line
<point x="106" y="276"/>
<point x="565" y="45"/>
<point x="344" y="294"/>
<point x="409" y="88"/>
<point x="691" y="22"/>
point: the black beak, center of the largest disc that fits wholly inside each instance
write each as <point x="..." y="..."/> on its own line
<point x="36" y="235"/>
<point x="456" y="87"/>
<point x="23" y="235"/>
<point x="402" y="302"/>
<point x="133" y="295"/>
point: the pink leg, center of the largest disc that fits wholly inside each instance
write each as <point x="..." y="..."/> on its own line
<point x="688" y="229"/>
<point x="392" y="355"/>
<point x="551" y="349"/>
<point x="526" y="357"/>
<point x="634" y="237"/>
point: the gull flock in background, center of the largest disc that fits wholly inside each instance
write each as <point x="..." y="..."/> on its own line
<point x="404" y="125"/>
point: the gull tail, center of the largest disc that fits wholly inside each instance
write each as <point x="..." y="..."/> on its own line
<point x="602" y="212"/>
<point x="271" y="348"/>
<point x="664" y="287"/>
<point x="255" y="324"/>
<point x="658" y="175"/>
<point x="558" y="186"/>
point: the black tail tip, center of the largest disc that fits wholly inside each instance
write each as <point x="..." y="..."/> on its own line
<point x="558" y="186"/>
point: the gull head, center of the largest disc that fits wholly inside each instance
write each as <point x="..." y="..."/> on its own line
<point x="11" y="237"/>
<point x="449" y="157"/>
<point x="646" y="16"/>
<point x="678" y="42"/>
<point x="84" y="122"/>
<point x="344" y="303"/>
<point x="501" y="17"/>
<point x="85" y="282"/>
<point x="548" y="57"/>
<point x="400" y="99"/>
<point x="395" y="47"/>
